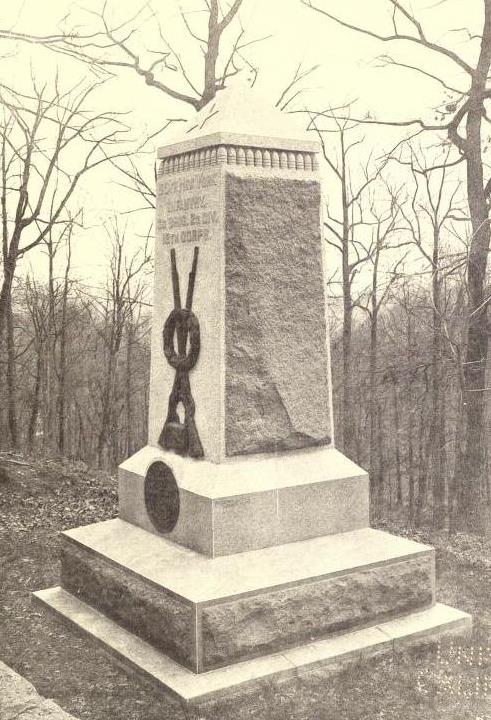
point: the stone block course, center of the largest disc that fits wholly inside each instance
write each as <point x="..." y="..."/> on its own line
<point x="254" y="603"/>
<point x="272" y="621"/>
<point x="152" y="613"/>
<point x="323" y="658"/>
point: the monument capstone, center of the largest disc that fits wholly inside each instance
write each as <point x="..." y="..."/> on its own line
<point x="242" y="553"/>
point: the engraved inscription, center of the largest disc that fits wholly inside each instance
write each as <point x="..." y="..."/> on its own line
<point x="187" y="208"/>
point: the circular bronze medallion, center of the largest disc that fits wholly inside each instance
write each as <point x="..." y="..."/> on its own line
<point x="161" y="497"/>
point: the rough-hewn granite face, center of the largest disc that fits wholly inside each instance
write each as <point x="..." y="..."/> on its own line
<point x="253" y="626"/>
<point x="154" y="615"/>
<point x="275" y="331"/>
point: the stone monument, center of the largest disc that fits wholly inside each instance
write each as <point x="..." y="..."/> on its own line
<point x="242" y="552"/>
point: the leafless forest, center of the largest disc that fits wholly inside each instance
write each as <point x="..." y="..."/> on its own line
<point x="406" y="224"/>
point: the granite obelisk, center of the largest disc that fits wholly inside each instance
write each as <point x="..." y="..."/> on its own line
<point x="242" y="554"/>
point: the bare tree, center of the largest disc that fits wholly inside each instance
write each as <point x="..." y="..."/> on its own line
<point x="41" y="137"/>
<point x="222" y="46"/>
<point x="115" y="46"/>
<point x="63" y="341"/>
<point x="387" y="237"/>
<point x="111" y="315"/>
<point x="136" y="329"/>
<point x="344" y="231"/>
<point x="36" y="303"/>
<point x="434" y="208"/>
<point x="37" y="134"/>
<point x="461" y="118"/>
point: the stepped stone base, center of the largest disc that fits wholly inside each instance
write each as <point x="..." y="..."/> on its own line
<point x="210" y="612"/>
<point x="328" y="655"/>
<point x="248" y="611"/>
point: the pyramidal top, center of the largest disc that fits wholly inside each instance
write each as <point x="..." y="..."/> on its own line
<point x="240" y="114"/>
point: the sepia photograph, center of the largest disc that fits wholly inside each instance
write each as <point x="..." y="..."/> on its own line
<point x="245" y="360"/>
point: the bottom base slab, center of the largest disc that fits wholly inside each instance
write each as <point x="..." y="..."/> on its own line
<point x="331" y="654"/>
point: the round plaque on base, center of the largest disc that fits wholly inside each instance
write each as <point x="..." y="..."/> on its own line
<point x="161" y="497"/>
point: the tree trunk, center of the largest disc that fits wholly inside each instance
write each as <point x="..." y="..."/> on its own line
<point x="470" y="496"/>
<point x="11" y="381"/>
<point x="107" y="407"/>
<point x="372" y="418"/>
<point x="380" y="458"/>
<point x="373" y="407"/>
<point x="7" y="334"/>
<point x="410" y="465"/>
<point x="347" y="403"/>
<point x="437" y="424"/>
<point x="63" y="356"/>
<point x="347" y="309"/>
<point x="397" y="443"/>
<point x="359" y="431"/>
<point x="129" y="389"/>
<point x="82" y="440"/>
<point x="410" y="469"/>
<point x="31" y="430"/>
<point x="422" y="466"/>
<point x="50" y="352"/>
<point x="9" y="266"/>
<point x="456" y="478"/>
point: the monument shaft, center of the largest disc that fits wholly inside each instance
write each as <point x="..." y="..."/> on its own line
<point x="262" y="381"/>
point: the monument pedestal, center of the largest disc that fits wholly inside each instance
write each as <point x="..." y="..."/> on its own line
<point x="254" y="563"/>
<point x="248" y="503"/>
<point x="205" y="627"/>
<point x="319" y="590"/>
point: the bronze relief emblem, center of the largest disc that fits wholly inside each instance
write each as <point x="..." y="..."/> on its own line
<point x="182" y="323"/>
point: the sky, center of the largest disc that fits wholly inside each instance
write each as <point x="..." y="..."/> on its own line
<point x="348" y="72"/>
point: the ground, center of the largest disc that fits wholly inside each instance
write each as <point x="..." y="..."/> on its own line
<point x="40" y="498"/>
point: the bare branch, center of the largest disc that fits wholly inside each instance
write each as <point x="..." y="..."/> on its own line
<point x="420" y="39"/>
